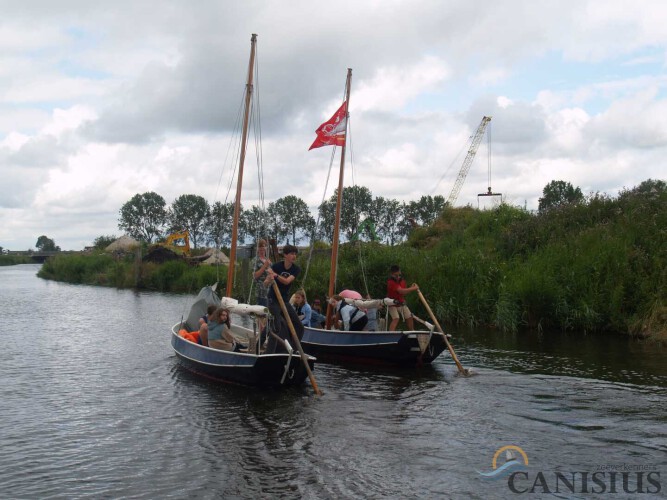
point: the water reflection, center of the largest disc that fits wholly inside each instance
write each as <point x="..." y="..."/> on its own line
<point x="605" y="357"/>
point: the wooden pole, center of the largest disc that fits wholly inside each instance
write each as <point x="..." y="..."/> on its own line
<point x="339" y="203"/>
<point x="304" y="357"/>
<point x="449" y="346"/>
<point x="239" y="182"/>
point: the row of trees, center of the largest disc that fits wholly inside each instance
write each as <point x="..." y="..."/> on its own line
<point x="146" y="217"/>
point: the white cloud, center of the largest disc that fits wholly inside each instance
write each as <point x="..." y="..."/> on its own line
<point x="99" y="104"/>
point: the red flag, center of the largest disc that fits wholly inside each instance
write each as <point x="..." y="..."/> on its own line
<point x="332" y="132"/>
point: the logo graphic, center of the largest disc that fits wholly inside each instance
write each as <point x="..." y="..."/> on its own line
<point x="512" y="462"/>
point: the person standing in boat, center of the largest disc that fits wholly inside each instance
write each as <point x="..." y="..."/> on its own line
<point x="397" y="289"/>
<point x="262" y="269"/>
<point x="284" y="273"/>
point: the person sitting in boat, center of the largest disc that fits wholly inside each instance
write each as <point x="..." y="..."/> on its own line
<point x="348" y="317"/>
<point x="218" y="331"/>
<point x="317" y="319"/>
<point x="284" y="273"/>
<point x="303" y="309"/>
<point x="397" y="289"/>
<point x="209" y="311"/>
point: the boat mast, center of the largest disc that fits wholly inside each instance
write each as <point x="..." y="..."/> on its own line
<point x="239" y="183"/>
<point x="339" y="202"/>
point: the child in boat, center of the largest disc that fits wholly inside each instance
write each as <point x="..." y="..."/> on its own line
<point x="397" y="289"/>
<point x="262" y="269"/>
<point x="284" y="273"/>
<point x="303" y="309"/>
<point x="317" y="319"/>
<point x="218" y="330"/>
<point x="348" y="316"/>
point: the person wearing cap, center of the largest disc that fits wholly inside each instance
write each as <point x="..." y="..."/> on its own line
<point x="284" y="274"/>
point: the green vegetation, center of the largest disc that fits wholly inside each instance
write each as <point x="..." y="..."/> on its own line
<point x="123" y="272"/>
<point x="592" y="265"/>
<point x="12" y="260"/>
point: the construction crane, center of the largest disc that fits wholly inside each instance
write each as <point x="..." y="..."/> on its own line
<point x="477" y="138"/>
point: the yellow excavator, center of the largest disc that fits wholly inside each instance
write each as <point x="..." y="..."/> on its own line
<point x="169" y="250"/>
<point x="174" y="237"/>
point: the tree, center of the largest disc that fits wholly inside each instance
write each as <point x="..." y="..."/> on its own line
<point x="327" y="213"/>
<point x="357" y="202"/>
<point x="426" y="210"/>
<point x="255" y="223"/>
<point x="558" y="193"/>
<point x="190" y="212"/>
<point x="46" y="244"/>
<point x="221" y="217"/>
<point x="101" y="242"/>
<point x="387" y="215"/>
<point x="290" y="216"/>
<point x="144" y="216"/>
<point x="356" y="206"/>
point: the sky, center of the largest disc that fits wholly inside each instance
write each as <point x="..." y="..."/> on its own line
<point x="100" y="101"/>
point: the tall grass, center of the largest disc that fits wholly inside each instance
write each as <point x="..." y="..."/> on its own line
<point x="598" y="266"/>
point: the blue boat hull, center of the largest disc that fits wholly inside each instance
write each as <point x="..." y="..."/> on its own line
<point x="266" y="370"/>
<point x="394" y="348"/>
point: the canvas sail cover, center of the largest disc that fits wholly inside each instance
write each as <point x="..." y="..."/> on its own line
<point x="205" y="298"/>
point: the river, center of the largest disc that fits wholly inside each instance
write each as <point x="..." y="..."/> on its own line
<point x="95" y="405"/>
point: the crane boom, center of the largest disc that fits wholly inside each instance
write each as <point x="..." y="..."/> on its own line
<point x="477" y="138"/>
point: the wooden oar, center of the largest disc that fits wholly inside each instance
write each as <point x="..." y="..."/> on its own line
<point x="304" y="358"/>
<point x="449" y="346"/>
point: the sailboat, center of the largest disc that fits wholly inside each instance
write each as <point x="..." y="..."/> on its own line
<point x="248" y="366"/>
<point x="407" y="348"/>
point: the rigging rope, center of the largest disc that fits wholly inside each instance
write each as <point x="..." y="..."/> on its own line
<point x="455" y="160"/>
<point x="354" y="205"/>
<point x="317" y="223"/>
<point x="257" y="123"/>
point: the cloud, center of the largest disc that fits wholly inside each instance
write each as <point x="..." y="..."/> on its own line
<point x="98" y="104"/>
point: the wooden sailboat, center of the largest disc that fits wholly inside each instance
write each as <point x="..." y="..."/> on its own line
<point x="249" y="367"/>
<point x="365" y="347"/>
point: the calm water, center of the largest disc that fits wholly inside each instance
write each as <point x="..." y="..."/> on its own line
<point x="95" y="405"/>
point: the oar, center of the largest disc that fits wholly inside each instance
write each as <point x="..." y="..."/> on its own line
<point x="304" y="358"/>
<point x="449" y="346"/>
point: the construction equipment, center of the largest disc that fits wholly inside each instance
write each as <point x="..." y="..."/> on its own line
<point x="168" y="250"/>
<point x="366" y="226"/>
<point x="174" y="237"/>
<point x="465" y="168"/>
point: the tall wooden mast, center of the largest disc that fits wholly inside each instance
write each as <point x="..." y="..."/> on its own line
<point x="239" y="183"/>
<point x="339" y="203"/>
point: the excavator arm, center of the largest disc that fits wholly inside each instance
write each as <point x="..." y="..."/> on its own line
<point x="184" y="235"/>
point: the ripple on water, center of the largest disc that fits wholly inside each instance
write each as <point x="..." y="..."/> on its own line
<point x="109" y="412"/>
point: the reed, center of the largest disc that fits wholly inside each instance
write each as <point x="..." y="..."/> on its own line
<point x="598" y="266"/>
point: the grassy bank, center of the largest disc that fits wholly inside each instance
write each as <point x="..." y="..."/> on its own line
<point x="597" y="266"/>
<point x="13" y="260"/>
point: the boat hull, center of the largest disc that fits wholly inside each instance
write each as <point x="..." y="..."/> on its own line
<point x="266" y="370"/>
<point x="393" y="348"/>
